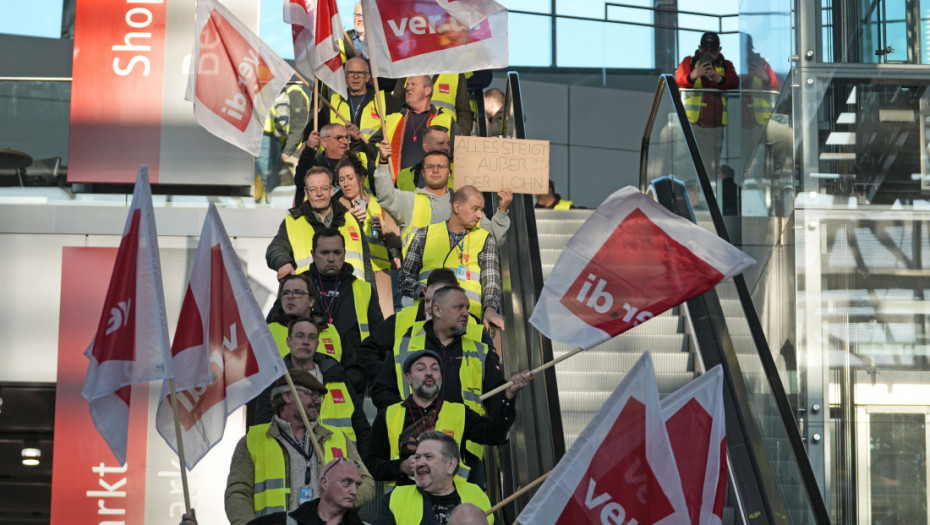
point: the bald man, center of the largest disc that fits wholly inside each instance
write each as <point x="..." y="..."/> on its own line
<point x="467" y="514"/>
<point x="463" y="246"/>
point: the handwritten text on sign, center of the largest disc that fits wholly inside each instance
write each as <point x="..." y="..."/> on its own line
<point x="490" y="164"/>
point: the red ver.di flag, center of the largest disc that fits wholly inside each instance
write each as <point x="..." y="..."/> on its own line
<point x="131" y="342"/>
<point x="630" y="261"/>
<point x="620" y="469"/>
<point x="234" y="77"/>
<point x="696" y="427"/>
<point x="221" y="329"/>
<point x="316" y="29"/>
<point x="426" y="37"/>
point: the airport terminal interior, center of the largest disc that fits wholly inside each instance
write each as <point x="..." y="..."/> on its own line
<point x="820" y="171"/>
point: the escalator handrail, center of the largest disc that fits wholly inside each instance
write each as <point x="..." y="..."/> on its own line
<point x="668" y="88"/>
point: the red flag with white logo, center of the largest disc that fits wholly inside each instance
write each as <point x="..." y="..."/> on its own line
<point x="630" y="261"/>
<point x="221" y="330"/>
<point x="426" y="37"/>
<point x="131" y="342"/>
<point x="234" y="77"/>
<point x="696" y="426"/>
<point x="316" y="29"/>
<point x="620" y="469"/>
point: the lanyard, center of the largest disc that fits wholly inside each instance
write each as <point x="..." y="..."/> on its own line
<point x="300" y="448"/>
<point x="428" y="424"/>
<point x="330" y="302"/>
<point x="460" y="244"/>
<point x="355" y="109"/>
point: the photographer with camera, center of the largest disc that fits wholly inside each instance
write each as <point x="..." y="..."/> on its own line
<point x="707" y="69"/>
<point x="394" y="433"/>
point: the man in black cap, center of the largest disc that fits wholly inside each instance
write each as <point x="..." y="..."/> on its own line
<point x="395" y="430"/>
<point x="275" y="467"/>
<point x="707" y="112"/>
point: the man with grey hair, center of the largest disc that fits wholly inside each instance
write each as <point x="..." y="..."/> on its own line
<point x="437" y="491"/>
<point x="276" y="467"/>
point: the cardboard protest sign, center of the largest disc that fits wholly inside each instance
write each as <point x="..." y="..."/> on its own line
<point x="490" y="164"/>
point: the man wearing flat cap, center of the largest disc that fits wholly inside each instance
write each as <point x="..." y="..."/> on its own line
<point x="275" y="466"/>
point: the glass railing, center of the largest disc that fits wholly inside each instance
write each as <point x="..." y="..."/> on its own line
<point x="746" y="149"/>
<point x="772" y="474"/>
<point x="861" y="222"/>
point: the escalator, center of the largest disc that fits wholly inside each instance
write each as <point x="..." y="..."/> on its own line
<point x="770" y="476"/>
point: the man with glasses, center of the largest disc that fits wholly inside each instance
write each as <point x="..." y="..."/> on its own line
<point x="435" y="139"/>
<point x="335" y="141"/>
<point x="275" y="466"/>
<point x="433" y="202"/>
<point x="291" y="250"/>
<point x="361" y="107"/>
<point x="339" y="486"/>
<point x="342" y="408"/>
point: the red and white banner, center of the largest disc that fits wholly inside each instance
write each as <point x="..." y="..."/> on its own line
<point x="421" y="37"/>
<point x="131" y="342"/>
<point x="696" y="426"/>
<point x="220" y="329"/>
<point x="316" y="29"/>
<point x="630" y="261"/>
<point x="620" y="469"/>
<point x="470" y="13"/>
<point x="234" y="77"/>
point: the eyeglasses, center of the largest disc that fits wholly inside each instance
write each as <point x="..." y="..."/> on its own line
<point x="300" y="336"/>
<point x="356" y="74"/>
<point x="314" y="395"/>
<point x="294" y="293"/>
<point x="321" y="189"/>
<point x="436" y="166"/>
<point x="338" y="137"/>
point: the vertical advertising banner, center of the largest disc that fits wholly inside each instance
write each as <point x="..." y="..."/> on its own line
<point x="88" y="484"/>
<point x="129" y="75"/>
<point x="116" y="90"/>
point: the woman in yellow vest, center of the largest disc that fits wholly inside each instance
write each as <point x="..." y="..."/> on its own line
<point x="379" y="228"/>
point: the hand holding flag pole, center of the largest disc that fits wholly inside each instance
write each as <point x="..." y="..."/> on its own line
<point x="326" y="103"/>
<point x="536" y="370"/>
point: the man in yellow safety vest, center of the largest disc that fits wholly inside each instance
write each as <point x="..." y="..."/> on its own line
<point x="275" y="467"/>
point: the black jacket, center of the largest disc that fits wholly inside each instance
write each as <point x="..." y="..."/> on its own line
<point x="384" y="390"/>
<point x="339" y="303"/>
<point x="306" y="514"/>
<point x="484" y="430"/>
